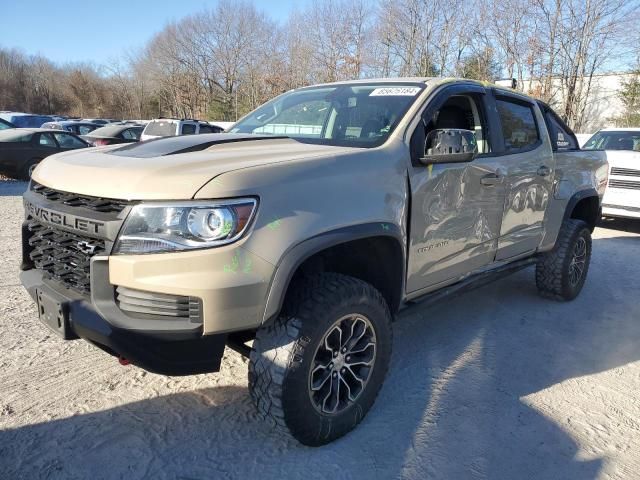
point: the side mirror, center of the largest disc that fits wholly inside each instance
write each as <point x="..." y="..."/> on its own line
<point x="449" y="146"/>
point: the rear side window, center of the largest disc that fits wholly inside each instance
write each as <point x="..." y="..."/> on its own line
<point x="130" y="134"/>
<point x="562" y="139"/>
<point x="205" y="128"/>
<point x="188" y="129"/>
<point x="46" y="140"/>
<point x="161" y="128"/>
<point x="519" y="126"/>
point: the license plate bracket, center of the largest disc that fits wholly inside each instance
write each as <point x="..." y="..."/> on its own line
<point x="53" y="313"/>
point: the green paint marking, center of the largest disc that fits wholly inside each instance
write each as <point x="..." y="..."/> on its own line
<point x="273" y="225"/>
<point x="235" y="263"/>
<point x="247" y="266"/>
<point x="384" y="226"/>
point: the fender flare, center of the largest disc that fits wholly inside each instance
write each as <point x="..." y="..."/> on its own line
<point x="296" y="255"/>
<point x="577" y="197"/>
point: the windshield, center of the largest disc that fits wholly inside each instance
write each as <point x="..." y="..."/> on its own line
<point x="161" y="128"/>
<point x="352" y="115"/>
<point x="614" y="140"/>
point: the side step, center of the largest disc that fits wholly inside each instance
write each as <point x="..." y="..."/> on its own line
<point x="473" y="282"/>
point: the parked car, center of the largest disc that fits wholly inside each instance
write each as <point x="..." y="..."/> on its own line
<point x="79" y="128"/>
<point x="114" y="133"/>
<point x="402" y="190"/>
<point x="171" y="127"/>
<point x="622" y="146"/>
<point x="100" y="121"/>
<point x="21" y="149"/>
<point x="4" y="124"/>
<point x="26" y="120"/>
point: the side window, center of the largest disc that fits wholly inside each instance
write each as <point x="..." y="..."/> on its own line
<point x="461" y="112"/>
<point x="562" y="139"/>
<point x="46" y="140"/>
<point x="129" y="135"/>
<point x="188" y="129"/>
<point x="84" y="129"/>
<point x="68" y="141"/>
<point x="519" y="126"/>
<point x="205" y="128"/>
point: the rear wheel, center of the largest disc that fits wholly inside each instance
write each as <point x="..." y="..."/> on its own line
<point x="316" y="371"/>
<point x="561" y="273"/>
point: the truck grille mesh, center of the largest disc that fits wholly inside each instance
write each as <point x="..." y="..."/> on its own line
<point x="629" y="184"/>
<point x="63" y="256"/>
<point x="97" y="204"/>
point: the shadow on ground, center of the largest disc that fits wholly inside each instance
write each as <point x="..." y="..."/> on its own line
<point x="451" y="407"/>
<point x="622" y="224"/>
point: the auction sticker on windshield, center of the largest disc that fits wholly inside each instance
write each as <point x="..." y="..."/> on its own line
<point x="395" y="92"/>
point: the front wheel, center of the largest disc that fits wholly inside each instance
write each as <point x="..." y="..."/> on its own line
<point x="561" y="273"/>
<point x="316" y="371"/>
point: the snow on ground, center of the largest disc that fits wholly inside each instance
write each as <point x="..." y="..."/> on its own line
<point x="496" y="384"/>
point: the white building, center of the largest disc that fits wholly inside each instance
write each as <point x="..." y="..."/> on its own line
<point x="603" y="103"/>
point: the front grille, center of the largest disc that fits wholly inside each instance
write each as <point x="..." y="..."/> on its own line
<point x="97" y="204"/>
<point x="63" y="256"/>
<point x="150" y="303"/>
<point x="625" y="172"/>
<point x="629" y="184"/>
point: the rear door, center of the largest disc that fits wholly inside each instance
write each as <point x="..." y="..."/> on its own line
<point x="528" y="165"/>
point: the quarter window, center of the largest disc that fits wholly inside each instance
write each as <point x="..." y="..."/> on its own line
<point x="518" y="125"/>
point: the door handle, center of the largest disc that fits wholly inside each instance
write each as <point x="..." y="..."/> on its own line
<point x="543" y="171"/>
<point x="492" y="179"/>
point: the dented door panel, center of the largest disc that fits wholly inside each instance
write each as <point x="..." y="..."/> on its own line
<point x="455" y="221"/>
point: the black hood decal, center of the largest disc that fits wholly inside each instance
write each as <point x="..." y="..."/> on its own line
<point x="184" y="144"/>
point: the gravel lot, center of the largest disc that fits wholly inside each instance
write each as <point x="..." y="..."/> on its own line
<point x="497" y="384"/>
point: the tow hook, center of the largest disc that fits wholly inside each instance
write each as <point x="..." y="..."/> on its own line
<point x="123" y="361"/>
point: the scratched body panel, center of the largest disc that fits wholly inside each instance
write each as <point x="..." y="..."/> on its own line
<point x="455" y="221"/>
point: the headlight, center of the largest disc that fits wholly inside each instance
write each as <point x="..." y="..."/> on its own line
<point x="154" y="228"/>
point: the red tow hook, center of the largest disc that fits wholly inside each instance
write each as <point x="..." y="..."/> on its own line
<point x="123" y="361"/>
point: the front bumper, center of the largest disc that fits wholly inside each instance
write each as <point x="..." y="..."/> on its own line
<point x="178" y="350"/>
<point x="620" y="211"/>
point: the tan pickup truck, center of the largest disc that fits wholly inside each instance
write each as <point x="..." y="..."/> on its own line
<point x="297" y="237"/>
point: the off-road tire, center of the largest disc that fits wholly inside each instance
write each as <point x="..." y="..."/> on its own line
<point x="553" y="268"/>
<point x="283" y="353"/>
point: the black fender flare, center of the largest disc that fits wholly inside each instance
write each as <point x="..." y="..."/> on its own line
<point x="577" y="197"/>
<point x="297" y="254"/>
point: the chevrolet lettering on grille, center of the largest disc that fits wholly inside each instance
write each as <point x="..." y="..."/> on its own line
<point x="64" y="220"/>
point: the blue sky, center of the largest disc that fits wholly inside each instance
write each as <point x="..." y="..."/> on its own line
<point x="98" y="31"/>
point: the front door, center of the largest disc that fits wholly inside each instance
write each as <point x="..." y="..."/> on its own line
<point x="529" y="166"/>
<point x="456" y="208"/>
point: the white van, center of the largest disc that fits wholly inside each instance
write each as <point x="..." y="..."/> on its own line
<point x="171" y="127"/>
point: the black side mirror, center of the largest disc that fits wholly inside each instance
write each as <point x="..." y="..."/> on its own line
<point x="449" y="146"/>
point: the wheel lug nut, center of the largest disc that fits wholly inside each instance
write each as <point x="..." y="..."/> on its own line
<point x="348" y="359"/>
<point x="342" y="370"/>
<point x="335" y="374"/>
<point x="344" y="350"/>
<point x="335" y="353"/>
<point x="331" y="365"/>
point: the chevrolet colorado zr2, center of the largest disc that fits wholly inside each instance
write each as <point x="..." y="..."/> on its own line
<point x="296" y="238"/>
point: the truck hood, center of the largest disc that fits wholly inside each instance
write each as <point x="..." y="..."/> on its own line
<point x="172" y="168"/>
<point x="623" y="159"/>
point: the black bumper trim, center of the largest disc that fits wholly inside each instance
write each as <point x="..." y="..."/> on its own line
<point x="178" y="352"/>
